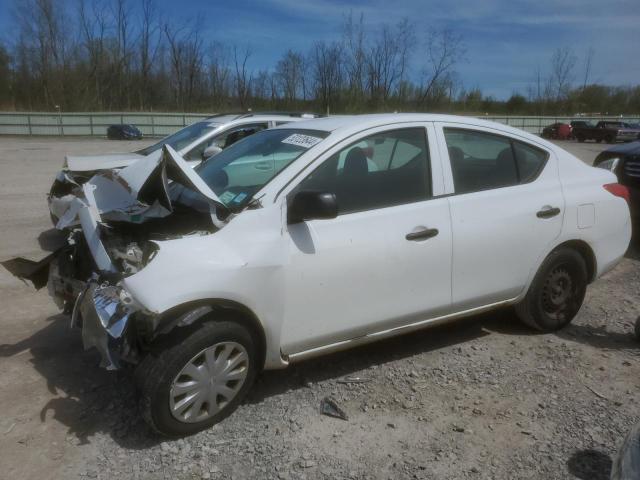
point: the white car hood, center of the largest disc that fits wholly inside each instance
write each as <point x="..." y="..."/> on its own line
<point x="134" y="193"/>
<point x="88" y="163"/>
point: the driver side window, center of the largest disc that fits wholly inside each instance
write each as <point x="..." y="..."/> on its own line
<point x="382" y="170"/>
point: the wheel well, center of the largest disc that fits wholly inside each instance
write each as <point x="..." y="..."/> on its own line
<point x="587" y="254"/>
<point x="232" y="310"/>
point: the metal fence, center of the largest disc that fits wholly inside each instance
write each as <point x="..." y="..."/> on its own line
<point x="161" y="124"/>
<point x="92" y="124"/>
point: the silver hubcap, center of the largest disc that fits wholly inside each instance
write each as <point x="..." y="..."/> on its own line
<point x="208" y="382"/>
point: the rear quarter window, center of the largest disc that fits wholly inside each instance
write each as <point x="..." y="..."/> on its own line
<point x="530" y="161"/>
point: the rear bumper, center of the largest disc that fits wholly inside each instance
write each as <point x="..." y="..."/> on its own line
<point x="634" y="203"/>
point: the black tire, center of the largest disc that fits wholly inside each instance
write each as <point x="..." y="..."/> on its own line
<point x="580" y="138"/>
<point x="556" y="293"/>
<point x="610" y="139"/>
<point x="157" y="371"/>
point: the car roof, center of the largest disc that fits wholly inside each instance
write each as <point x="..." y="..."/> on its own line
<point x="231" y="117"/>
<point x="345" y="124"/>
<point x="631" y="148"/>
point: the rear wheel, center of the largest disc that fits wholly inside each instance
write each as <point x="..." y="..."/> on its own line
<point x="198" y="378"/>
<point x="580" y="138"/>
<point x="610" y="139"/>
<point x="556" y="293"/>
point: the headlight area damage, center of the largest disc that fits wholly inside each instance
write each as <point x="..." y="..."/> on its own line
<point x="109" y="224"/>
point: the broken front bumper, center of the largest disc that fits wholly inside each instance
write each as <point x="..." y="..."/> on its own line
<point x="105" y="312"/>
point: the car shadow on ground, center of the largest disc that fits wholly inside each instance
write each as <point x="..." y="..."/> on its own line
<point x="88" y="400"/>
<point x="599" y="337"/>
<point x="590" y="465"/>
<point x="351" y="362"/>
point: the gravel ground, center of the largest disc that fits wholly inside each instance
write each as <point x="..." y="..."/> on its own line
<point x="483" y="398"/>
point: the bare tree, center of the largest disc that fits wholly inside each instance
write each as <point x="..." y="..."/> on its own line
<point x="242" y="78"/>
<point x="122" y="53"/>
<point x="355" y="55"/>
<point x="44" y="40"/>
<point x="220" y="76"/>
<point x="5" y="78"/>
<point x="148" y="46"/>
<point x="326" y="62"/>
<point x="444" y="50"/>
<point x="186" y="53"/>
<point x="562" y="63"/>
<point x="387" y="60"/>
<point x="290" y="75"/>
<point x="588" y="60"/>
<point x="93" y="26"/>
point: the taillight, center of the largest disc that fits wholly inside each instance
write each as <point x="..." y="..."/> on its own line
<point x="618" y="190"/>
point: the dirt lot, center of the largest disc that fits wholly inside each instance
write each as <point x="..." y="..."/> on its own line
<point x="482" y="399"/>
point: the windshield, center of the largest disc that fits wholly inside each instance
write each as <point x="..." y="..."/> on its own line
<point x="242" y="169"/>
<point x="183" y="137"/>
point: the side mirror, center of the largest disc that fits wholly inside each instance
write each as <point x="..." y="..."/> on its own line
<point x="312" y="206"/>
<point x="210" y="151"/>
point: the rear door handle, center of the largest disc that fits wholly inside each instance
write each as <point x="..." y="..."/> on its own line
<point x="422" y="234"/>
<point x="548" y="212"/>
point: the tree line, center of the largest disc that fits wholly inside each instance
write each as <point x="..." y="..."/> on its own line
<point x="125" y="55"/>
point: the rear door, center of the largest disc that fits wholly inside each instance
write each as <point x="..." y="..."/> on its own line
<point x="385" y="261"/>
<point x="506" y="210"/>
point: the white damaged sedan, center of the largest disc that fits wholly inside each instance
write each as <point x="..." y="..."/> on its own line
<point x="322" y="235"/>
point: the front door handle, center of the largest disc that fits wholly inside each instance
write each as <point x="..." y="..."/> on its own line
<point x="422" y="234"/>
<point x="548" y="212"/>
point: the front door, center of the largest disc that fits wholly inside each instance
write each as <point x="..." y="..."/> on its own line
<point x="385" y="261"/>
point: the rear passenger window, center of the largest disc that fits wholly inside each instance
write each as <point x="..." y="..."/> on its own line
<point x="483" y="161"/>
<point x="386" y="169"/>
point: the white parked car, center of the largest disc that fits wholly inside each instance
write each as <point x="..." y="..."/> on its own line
<point x="347" y="230"/>
<point x="195" y="142"/>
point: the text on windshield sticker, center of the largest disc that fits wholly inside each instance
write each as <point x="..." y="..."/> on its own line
<point x="306" y="141"/>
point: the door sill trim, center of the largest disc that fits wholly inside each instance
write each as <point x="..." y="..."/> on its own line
<point x="372" y="337"/>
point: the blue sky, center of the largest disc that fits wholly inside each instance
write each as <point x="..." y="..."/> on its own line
<point x="506" y="39"/>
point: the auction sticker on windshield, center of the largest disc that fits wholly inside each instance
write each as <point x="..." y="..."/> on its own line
<point x="306" y="141"/>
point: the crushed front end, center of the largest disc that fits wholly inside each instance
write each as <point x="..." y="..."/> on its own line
<point x="109" y="226"/>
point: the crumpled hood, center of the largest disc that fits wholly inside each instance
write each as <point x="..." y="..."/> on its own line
<point x="89" y="163"/>
<point x="134" y="194"/>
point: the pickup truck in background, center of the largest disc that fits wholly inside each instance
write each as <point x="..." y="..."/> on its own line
<point x="610" y="132"/>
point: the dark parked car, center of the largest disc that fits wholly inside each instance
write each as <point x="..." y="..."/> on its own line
<point x="557" y="131"/>
<point x="123" y="132"/>
<point x="624" y="161"/>
<point x="609" y="131"/>
<point x="581" y="123"/>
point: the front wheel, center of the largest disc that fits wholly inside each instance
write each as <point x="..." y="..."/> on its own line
<point x="556" y="293"/>
<point x="197" y="379"/>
